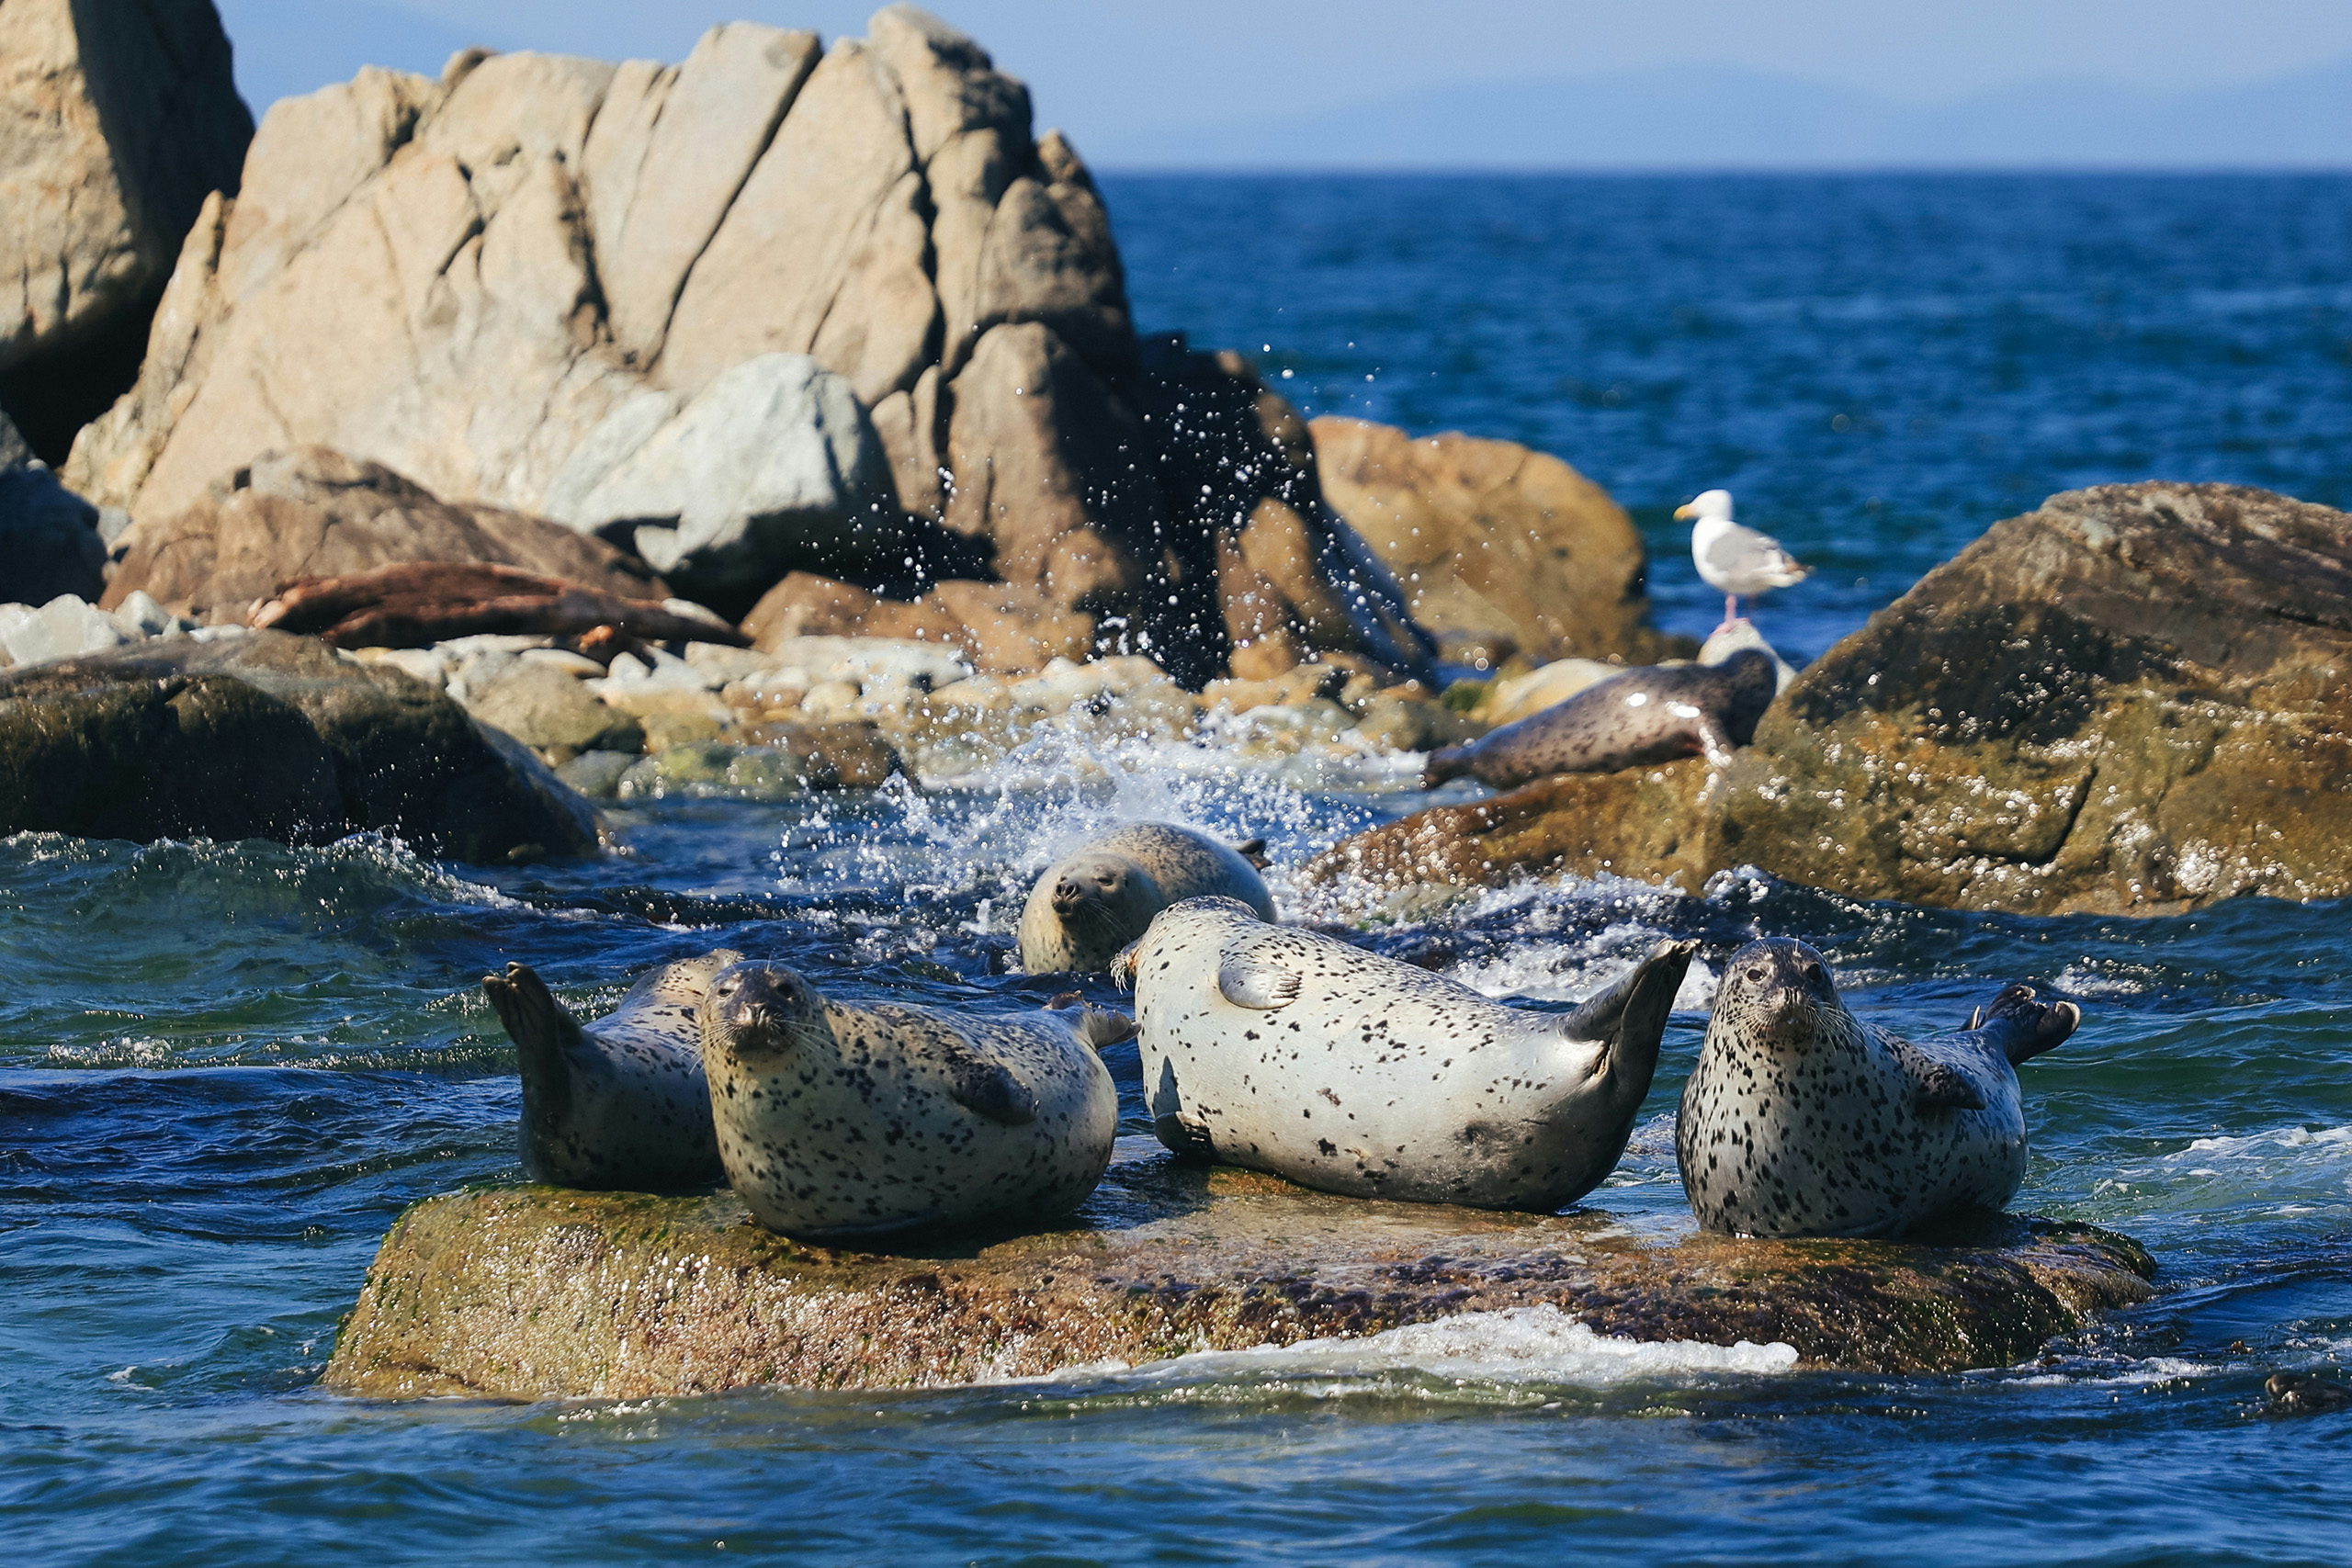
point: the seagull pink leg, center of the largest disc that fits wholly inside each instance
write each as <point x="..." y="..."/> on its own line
<point x="1731" y="609"/>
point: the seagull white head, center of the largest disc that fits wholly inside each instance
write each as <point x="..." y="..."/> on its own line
<point x="1708" y="506"/>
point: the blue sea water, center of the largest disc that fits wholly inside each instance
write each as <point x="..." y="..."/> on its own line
<point x="225" y="1069"/>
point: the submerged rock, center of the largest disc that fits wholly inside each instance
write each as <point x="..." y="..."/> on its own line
<point x="2131" y="701"/>
<point x="264" y="735"/>
<point x="535" y="1293"/>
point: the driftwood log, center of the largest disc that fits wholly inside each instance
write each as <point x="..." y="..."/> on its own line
<point x="418" y="603"/>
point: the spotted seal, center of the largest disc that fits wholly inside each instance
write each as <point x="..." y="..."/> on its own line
<point x="1098" y="899"/>
<point x="621" y="1104"/>
<point x="1798" y="1119"/>
<point x="1651" y="715"/>
<point x="1291" y="1052"/>
<point x="840" y="1122"/>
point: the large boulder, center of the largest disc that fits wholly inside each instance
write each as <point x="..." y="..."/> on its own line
<point x="2130" y="700"/>
<point x="314" y="511"/>
<point x="1501" y="549"/>
<point x="602" y="245"/>
<point x="539" y="1292"/>
<point x="268" y="735"/>
<point x="117" y="119"/>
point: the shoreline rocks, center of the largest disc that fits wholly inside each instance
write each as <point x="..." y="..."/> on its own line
<point x="2130" y="700"/>
<point x="536" y="1292"/>
<point x="264" y="735"/>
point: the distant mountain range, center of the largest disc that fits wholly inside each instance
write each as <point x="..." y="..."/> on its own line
<point x="1702" y="118"/>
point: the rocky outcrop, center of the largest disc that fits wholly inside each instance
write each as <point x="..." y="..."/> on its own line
<point x="2131" y="701"/>
<point x="779" y="307"/>
<point x="1501" y="549"/>
<point x="264" y="735"/>
<point x="117" y="120"/>
<point x="613" y="248"/>
<point x="314" y="512"/>
<point x="537" y="1292"/>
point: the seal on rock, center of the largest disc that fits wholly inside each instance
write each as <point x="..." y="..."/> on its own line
<point x="1295" y="1053"/>
<point x="1652" y="715"/>
<point x="840" y="1122"/>
<point x="1095" y="900"/>
<point x="622" y="1104"/>
<point x="1799" y="1120"/>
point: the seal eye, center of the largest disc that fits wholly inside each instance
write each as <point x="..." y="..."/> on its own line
<point x="1814" y="973"/>
<point x="728" y="988"/>
<point x="1756" y="973"/>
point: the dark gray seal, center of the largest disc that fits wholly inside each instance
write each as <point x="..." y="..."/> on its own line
<point x="1652" y="715"/>
<point x="840" y="1122"/>
<point x="620" y="1105"/>
<point x="1292" y="1051"/>
<point x="1799" y="1120"/>
<point x="1101" y="897"/>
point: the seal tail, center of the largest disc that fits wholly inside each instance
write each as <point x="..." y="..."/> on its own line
<point x="1098" y="1027"/>
<point x="544" y="1031"/>
<point x="1631" y="1016"/>
<point x="2020" y="1028"/>
<point x="1446" y="762"/>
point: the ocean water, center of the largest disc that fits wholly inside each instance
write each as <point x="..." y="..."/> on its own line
<point x="224" y="1068"/>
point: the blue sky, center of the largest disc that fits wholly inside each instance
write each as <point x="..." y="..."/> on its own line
<point x="1136" y="79"/>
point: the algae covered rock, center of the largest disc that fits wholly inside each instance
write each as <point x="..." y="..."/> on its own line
<point x="268" y="735"/>
<point x="537" y="1293"/>
<point x="2131" y="701"/>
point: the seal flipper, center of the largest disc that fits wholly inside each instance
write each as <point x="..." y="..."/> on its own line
<point x="1714" y="742"/>
<point x="978" y="1084"/>
<point x="1630" y="1016"/>
<point x="1938" y="1085"/>
<point x="2020" y="1028"/>
<point x="1254" y="851"/>
<point x="544" y="1032"/>
<point x="1098" y="1027"/>
<point x="1248" y="981"/>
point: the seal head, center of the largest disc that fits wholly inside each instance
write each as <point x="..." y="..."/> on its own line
<point x="1099" y="897"/>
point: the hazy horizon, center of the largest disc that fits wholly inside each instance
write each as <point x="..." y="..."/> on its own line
<point x="1695" y="86"/>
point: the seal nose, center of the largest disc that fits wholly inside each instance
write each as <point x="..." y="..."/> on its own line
<point x="759" y="1001"/>
<point x="1067" y="895"/>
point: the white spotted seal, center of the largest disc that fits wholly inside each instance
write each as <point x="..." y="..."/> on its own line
<point x="1290" y="1052"/>
<point x="1095" y="900"/>
<point x="1652" y="715"/>
<point x="621" y="1104"/>
<point x="840" y="1121"/>
<point x="1798" y="1119"/>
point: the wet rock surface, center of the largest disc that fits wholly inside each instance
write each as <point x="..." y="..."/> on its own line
<point x="264" y="735"/>
<point x="534" y="1293"/>
<point x="2131" y="701"/>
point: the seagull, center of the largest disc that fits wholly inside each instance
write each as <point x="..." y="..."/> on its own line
<point x="1737" y="560"/>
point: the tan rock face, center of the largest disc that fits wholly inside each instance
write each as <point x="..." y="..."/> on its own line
<point x="2131" y="701"/>
<point x="316" y="512"/>
<point x="536" y="1292"/>
<point x="581" y="237"/>
<point x="1050" y="470"/>
<point x="1495" y="542"/>
<point x="117" y="119"/>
